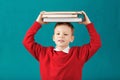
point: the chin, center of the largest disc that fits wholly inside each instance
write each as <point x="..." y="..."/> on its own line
<point x="61" y="45"/>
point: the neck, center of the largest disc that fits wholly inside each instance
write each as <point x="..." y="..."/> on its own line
<point x="61" y="47"/>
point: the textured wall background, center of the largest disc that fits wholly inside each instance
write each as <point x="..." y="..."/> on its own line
<point x="16" y="16"/>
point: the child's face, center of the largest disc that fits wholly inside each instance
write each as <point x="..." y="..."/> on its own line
<point x="63" y="35"/>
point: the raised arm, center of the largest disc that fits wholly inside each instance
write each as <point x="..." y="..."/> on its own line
<point x="88" y="50"/>
<point x="29" y="42"/>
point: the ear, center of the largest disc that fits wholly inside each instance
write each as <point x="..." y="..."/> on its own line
<point x="72" y="39"/>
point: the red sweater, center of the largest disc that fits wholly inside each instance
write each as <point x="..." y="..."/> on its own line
<point x="57" y="65"/>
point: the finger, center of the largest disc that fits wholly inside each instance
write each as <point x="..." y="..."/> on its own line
<point x="42" y="13"/>
<point x="79" y="12"/>
<point x="83" y="12"/>
<point x="46" y="22"/>
<point x="80" y="22"/>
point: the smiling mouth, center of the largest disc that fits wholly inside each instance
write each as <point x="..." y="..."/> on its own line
<point x="61" y="41"/>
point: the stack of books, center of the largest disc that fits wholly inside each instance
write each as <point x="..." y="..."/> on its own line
<point x="62" y="17"/>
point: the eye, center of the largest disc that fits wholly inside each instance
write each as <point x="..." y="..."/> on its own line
<point x="65" y="34"/>
<point x="57" y="33"/>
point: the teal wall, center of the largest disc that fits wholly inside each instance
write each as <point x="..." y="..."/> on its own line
<point x="16" y="16"/>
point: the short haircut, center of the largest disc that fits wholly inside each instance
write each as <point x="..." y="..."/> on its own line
<point x="65" y="23"/>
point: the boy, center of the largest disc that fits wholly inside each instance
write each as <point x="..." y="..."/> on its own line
<point x="62" y="62"/>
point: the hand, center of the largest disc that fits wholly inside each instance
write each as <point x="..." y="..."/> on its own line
<point x="86" y="19"/>
<point x="40" y="19"/>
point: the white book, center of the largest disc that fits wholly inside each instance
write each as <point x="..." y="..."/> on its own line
<point x="59" y="15"/>
<point x="62" y="19"/>
<point x="63" y="12"/>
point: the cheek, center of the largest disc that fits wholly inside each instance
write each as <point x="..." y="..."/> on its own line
<point x="69" y="39"/>
<point x="55" y="38"/>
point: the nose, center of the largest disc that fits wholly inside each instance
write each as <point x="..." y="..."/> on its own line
<point x="61" y="36"/>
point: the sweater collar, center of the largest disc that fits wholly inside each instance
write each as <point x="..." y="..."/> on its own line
<point x="66" y="50"/>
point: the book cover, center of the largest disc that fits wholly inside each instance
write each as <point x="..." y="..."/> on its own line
<point x="63" y="12"/>
<point x="59" y="15"/>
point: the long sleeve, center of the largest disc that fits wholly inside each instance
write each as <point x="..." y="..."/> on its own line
<point x="29" y="42"/>
<point x="88" y="50"/>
